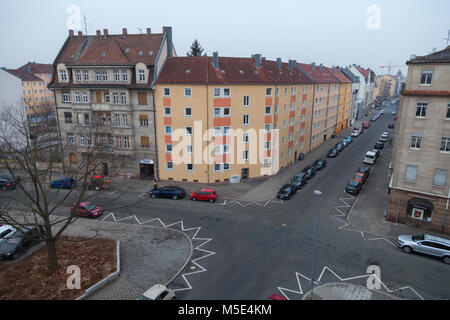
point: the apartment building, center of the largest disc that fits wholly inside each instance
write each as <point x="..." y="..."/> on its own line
<point x="325" y="104"/>
<point x="105" y="101"/>
<point x="222" y="119"/>
<point x="387" y="86"/>
<point x="367" y="90"/>
<point x="354" y="102"/>
<point x="345" y="97"/>
<point x="419" y="187"/>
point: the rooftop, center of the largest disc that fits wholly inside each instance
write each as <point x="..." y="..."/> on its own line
<point x="442" y="56"/>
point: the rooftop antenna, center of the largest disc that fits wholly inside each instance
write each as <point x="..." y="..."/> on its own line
<point x="86" y="25"/>
<point x="448" y="38"/>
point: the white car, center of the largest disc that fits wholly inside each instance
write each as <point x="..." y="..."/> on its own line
<point x="158" y="292"/>
<point x="355" y="133"/>
<point x="384" y="138"/>
<point x="394" y="113"/>
<point x="6" y="231"/>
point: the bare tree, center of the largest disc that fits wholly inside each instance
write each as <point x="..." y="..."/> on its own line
<point x="28" y="149"/>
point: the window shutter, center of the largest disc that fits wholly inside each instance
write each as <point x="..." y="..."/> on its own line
<point x="142" y="97"/>
<point x="99" y="96"/>
<point x="143" y="117"/>
<point x="145" y="142"/>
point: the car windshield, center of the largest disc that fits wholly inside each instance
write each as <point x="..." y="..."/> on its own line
<point x="13" y="240"/>
<point x="90" y="206"/>
<point x="418" y="237"/>
<point x="297" y="178"/>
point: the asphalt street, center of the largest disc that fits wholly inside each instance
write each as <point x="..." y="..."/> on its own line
<point x="253" y="251"/>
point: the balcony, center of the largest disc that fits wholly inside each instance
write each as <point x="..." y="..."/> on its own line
<point x="101" y="107"/>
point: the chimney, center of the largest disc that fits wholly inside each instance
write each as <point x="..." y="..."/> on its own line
<point x="80" y="33"/>
<point x="99" y="33"/>
<point x="124" y="31"/>
<point x="71" y="33"/>
<point x="321" y="67"/>
<point x="257" y="58"/>
<point x="313" y="65"/>
<point x="291" y="64"/>
<point x="279" y="63"/>
<point x="215" y="61"/>
<point x="105" y="32"/>
<point x="149" y="30"/>
<point x="168" y="32"/>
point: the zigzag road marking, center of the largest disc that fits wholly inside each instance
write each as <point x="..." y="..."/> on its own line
<point x="299" y="291"/>
<point x="247" y="203"/>
<point x="203" y="252"/>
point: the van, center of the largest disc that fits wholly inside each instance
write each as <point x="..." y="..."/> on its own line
<point x="369" y="157"/>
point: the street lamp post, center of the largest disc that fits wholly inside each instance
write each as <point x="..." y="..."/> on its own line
<point x="318" y="194"/>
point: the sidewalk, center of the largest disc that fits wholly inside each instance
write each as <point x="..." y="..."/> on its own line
<point x="148" y="256"/>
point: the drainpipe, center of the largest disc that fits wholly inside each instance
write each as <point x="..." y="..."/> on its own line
<point x="156" y="137"/>
<point x="207" y="127"/>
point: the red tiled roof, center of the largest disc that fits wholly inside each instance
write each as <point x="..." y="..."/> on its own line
<point x="23" y="75"/>
<point x="231" y="70"/>
<point x="364" y="72"/>
<point x="110" y="50"/>
<point x="320" y="76"/>
<point x="339" y="75"/>
<point x="38" y="68"/>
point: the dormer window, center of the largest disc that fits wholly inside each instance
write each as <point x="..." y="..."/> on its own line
<point x="62" y="75"/>
<point x="141" y="75"/>
<point x="124" y="75"/>
<point x="78" y="73"/>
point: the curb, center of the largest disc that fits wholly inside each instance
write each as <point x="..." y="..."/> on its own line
<point x="187" y="261"/>
<point x="106" y="280"/>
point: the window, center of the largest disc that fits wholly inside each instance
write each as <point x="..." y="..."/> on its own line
<point x="447" y="115"/>
<point x="82" y="141"/>
<point x="217" y="112"/>
<point x="440" y="177"/>
<point x="86" y="75"/>
<point x="105" y="76"/>
<point x="217" y="131"/>
<point x="98" y="76"/>
<point x="188" y="112"/>
<point x="188" y="92"/>
<point x="226" y="112"/>
<point x="168" y="148"/>
<point x="421" y="109"/>
<point x="246" y="101"/>
<point x="141" y="75"/>
<point x="226" y="148"/>
<point x="189" y="167"/>
<point x="266" y="162"/>
<point x="268" y="92"/>
<point x="188" y="149"/>
<point x="78" y="75"/>
<point x="116" y="75"/>
<point x="123" y="97"/>
<point x="117" y="120"/>
<point x="145" y="142"/>
<point x="276" y="110"/>
<point x="77" y="97"/>
<point x="245" y="155"/>
<point x="411" y="173"/>
<point x="416" y="142"/>
<point x="62" y="75"/>
<point x="126" y="142"/>
<point x="168" y="130"/>
<point x="169" y="165"/>
<point x="142" y="97"/>
<point x="68" y="117"/>
<point x="268" y="110"/>
<point x="217" y="150"/>
<point x="166" y="92"/>
<point x="124" y="75"/>
<point x="85" y="97"/>
<point x="217" y="167"/>
<point x="188" y="131"/>
<point x="66" y="97"/>
<point x="125" y="120"/>
<point x="70" y="138"/>
<point x="267" y="127"/>
<point x="86" y="118"/>
<point x="167" y="111"/>
<point x="445" y="144"/>
<point x="226" y="167"/>
<point x="216" y="92"/>
<point x="426" y="76"/>
<point x="226" y="92"/>
<point x="115" y="98"/>
<point x="245" y="138"/>
<point x="246" y="120"/>
<point x="267" y="145"/>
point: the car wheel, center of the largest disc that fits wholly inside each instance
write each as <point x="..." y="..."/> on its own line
<point x="211" y="200"/>
<point x="15" y="255"/>
<point x="407" y="249"/>
<point x="446" y="259"/>
<point x="175" y="197"/>
<point x="193" y="199"/>
<point x="97" y="188"/>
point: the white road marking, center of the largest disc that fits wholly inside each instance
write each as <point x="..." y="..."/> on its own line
<point x="194" y="237"/>
<point x="243" y="203"/>
<point x="299" y="291"/>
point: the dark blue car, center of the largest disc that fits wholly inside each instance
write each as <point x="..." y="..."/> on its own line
<point x="171" y="192"/>
<point x="64" y="183"/>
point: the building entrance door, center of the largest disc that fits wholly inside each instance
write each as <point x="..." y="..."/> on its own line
<point x="147" y="169"/>
<point x="244" y="173"/>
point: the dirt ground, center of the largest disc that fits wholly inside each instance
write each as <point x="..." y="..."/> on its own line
<point x="29" y="278"/>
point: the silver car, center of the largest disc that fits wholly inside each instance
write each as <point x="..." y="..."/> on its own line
<point x="434" y="246"/>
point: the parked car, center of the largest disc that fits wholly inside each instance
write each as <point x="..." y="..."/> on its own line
<point x="204" y="195"/>
<point x="344" y="142"/>
<point x="395" y="118"/>
<point x="171" y="192"/>
<point x="320" y="164"/>
<point x="360" y="177"/>
<point x="310" y="172"/>
<point x="394" y="113"/>
<point x="158" y="292"/>
<point x="286" y="191"/>
<point x="370" y="157"/>
<point x="391" y="126"/>
<point x="7" y="184"/>
<point x="364" y="170"/>
<point x="18" y="242"/>
<point x="373" y="119"/>
<point x="430" y="245"/>
<point x="353" y="187"/>
<point x="377" y="152"/>
<point x="7" y="176"/>
<point x="276" y="297"/>
<point x="299" y="180"/>
<point x="6" y="231"/>
<point x="365" y="124"/>
<point x="378" y="145"/>
<point x="87" y="210"/>
<point x="64" y="183"/>
<point x="339" y="146"/>
<point x="355" y="132"/>
<point x="333" y="153"/>
<point x="384" y="138"/>
<point x="349" y="139"/>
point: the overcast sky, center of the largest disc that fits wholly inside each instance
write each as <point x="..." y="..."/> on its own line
<point x="339" y="32"/>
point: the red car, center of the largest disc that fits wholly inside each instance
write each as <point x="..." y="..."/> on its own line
<point x="365" y="124"/>
<point x="360" y="177"/>
<point x="88" y="210"/>
<point x="204" y="195"/>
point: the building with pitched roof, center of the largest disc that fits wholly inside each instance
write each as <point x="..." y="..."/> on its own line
<point x="103" y="87"/>
<point x="354" y="104"/>
<point x="419" y="187"/>
<point x="345" y="97"/>
<point x="222" y="119"/>
<point x="367" y="91"/>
